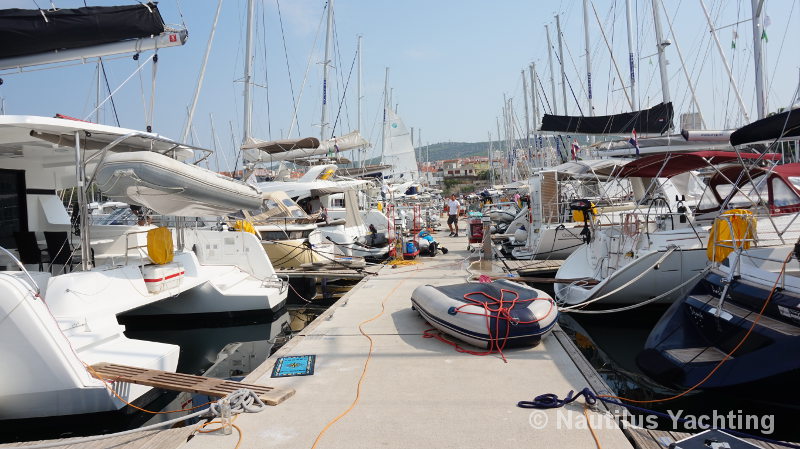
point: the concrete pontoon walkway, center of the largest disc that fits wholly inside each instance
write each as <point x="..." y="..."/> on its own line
<point x="417" y="392"/>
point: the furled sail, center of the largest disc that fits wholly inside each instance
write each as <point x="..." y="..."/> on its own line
<point x="32" y="31"/>
<point x="257" y="151"/>
<point x="778" y="126"/>
<point x="398" y="149"/>
<point x="656" y="120"/>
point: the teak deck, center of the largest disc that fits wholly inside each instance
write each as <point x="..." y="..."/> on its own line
<point x="186" y="382"/>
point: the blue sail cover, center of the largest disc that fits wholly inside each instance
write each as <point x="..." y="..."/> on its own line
<point x="30" y="31"/>
<point x="656" y="120"/>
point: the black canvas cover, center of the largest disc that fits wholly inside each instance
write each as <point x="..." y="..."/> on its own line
<point x="785" y="124"/>
<point x="30" y="31"/>
<point x="656" y="120"/>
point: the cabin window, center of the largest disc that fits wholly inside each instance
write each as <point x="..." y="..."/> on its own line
<point x="288" y="202"/>
<point x="13" y="206"/>
<point x="337" y="202"/>
<point x="269" y="204"/>
<point x="708" y="200"/>
<point x="783" y="195"/>
<point x="795" y="180"/>
<point x="749" y="193"/>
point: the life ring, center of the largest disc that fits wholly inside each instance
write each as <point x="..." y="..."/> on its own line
<point x="630" y="226"/>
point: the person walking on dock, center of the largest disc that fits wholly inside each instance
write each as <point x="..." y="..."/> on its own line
<point x="453" y="209"/>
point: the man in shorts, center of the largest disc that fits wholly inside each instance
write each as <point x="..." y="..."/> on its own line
<point x="453" y="208"/>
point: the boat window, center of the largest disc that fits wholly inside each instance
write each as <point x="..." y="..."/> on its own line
<point x="298" y="213"/>
<point x="795" y="180"/>
<point x="337" y="202"/>
<point x="13" y="208"/>
<point x="288" y="202"/>
<point x="783" y="195"/>
<point x="708" y="200"/>
<point x="747" y="195"/>
<point x="269" y="204"/>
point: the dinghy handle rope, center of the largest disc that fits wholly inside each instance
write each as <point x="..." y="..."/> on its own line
<point x="241" y="401"/>
<point x="502" y="311"/>
<point x="550" y="400"/>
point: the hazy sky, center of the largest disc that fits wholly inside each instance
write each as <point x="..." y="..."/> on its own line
<point x="451" y="62"/>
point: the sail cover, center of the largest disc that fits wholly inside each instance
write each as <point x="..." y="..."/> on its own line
<point x="30" y="31"/>
<point x="330" y="147"/>
<point x="656" y="120"/>
<point x="785" y="124"/>
<point x="398" y="149"/>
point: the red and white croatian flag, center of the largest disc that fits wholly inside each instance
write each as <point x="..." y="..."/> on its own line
<point x="575" y="149"/>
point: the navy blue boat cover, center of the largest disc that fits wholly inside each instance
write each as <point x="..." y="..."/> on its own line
<point x="656" y="120"/>
<point x="30" y="31"/>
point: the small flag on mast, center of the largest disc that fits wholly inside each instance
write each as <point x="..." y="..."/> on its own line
<point x="635" y="142"/>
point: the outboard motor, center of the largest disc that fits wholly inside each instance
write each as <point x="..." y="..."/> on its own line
<point x="582" y="210"/>
<point x="682" y="209"/>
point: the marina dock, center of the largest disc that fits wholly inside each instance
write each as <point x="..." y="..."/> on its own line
<point x="415" y="391"/>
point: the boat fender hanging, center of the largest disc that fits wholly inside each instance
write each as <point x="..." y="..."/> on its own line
<point x="159" y="245"/>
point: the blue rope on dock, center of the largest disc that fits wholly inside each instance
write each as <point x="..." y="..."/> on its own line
<point x="551" y="400"/>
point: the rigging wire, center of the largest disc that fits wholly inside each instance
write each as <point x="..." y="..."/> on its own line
<point x="305" y="76"/>
<point x="266" y="71"/>
<point x="286" y="56"/>
<point x="110" y="94"/>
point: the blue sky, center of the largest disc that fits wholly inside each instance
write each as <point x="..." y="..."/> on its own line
<point x="450" y="63"/>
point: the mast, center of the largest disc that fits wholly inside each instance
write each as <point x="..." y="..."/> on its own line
<point x="588" y="56"/>
<point x="491" y="166"/>
<point x="534" y="108"/>
<point x="552" y="77"/>
<point x="248" y="71"/>
<point x="662" y="59"/>
<point x="202" y="75"/>
<point x="758" y="57"/>
<point x="631" y="65"/>
<point x="359" y="97"/>
<point x="385" y="108"/>
<point x="727" y="66"/>
<point x="561" y="63"/>
<point x="325" y="63"/>
<point x="527" y="116"/>
<point x="683" y="65"/>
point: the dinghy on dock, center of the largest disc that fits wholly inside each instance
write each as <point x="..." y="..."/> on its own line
<point x="488" y="315"/>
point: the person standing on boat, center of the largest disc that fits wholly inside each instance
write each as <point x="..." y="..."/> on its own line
<point x="384" y="191"/>
<point x="453" y="209"/>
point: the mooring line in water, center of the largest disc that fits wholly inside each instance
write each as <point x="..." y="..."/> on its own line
<point x="364" y="370"/>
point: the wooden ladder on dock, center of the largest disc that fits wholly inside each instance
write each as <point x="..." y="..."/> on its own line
<point x="185" y="382"/>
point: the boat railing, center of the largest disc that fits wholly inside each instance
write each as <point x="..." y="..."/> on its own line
<point x="21" y="266"/>
<point x="141" y="248"/>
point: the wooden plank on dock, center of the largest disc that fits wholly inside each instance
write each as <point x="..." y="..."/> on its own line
<point x="186" y="382"/>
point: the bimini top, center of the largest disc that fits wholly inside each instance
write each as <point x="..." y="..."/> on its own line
<point x="669" y="165"/>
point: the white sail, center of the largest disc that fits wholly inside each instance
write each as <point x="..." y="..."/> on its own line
<point x="398" y="149"/>
<point x="330" y="147"/>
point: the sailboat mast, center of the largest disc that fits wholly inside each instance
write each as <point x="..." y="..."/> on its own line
<point x="588" y="56"/>
<point x="552" y="77"/>
<point x="758" y="57"/>
<point x="325" y="63"/>
<point x="662" y="59"/>
<point x="385" y="109"/>
<point x="728" y="70"/>
<point x="534" y="109"/>
<point x="631" y="65"/>
<point x="527" y="115"/>
<point x="561" y="63"/>
<point x="359" y="98"/>
<point x="248" y="72"/>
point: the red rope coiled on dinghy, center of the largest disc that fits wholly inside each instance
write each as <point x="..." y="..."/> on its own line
<point x="498" y="308"/>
